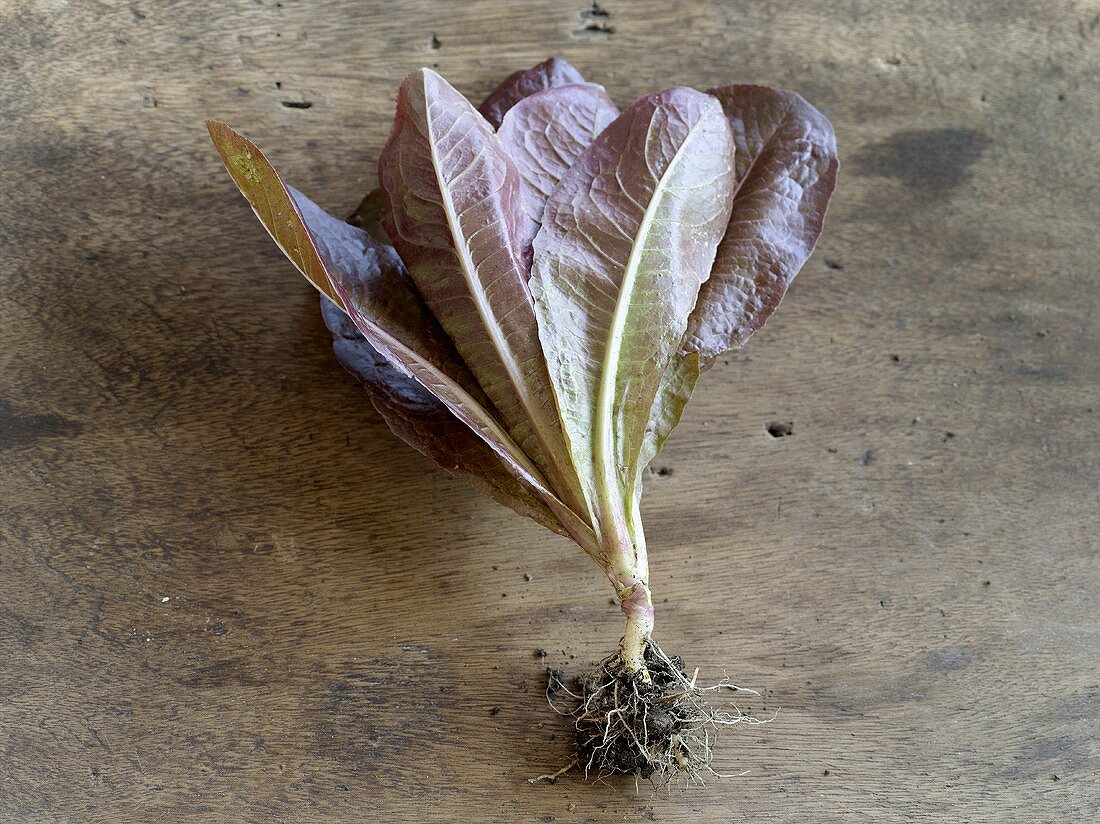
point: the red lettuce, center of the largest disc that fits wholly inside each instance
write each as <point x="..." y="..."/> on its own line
<point x="531" y="295"/>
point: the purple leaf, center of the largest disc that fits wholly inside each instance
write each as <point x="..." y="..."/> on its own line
<point x="367" y="280"/>
<point x="548" y="74"/>
<point x="518" y="85"/>
<point x="418" y="418"/>
<point x="544" y="134"/>
<point x="786" y="168"/>
<point x="452" y="197"/>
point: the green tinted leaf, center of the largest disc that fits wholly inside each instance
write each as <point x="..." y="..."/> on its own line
<point x="628" y="237"/>
<point x="272" y="204"/>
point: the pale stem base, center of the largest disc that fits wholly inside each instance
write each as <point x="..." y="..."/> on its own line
<point x="637" y="605"/>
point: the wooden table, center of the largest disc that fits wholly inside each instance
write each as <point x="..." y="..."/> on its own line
<point x="227" y="593"/>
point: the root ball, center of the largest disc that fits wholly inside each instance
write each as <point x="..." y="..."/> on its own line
<point x="658" y="729"/>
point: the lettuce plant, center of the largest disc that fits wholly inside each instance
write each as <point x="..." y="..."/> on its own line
<point x="530" y="296"/>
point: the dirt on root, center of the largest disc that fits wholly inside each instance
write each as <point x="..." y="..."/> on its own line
<point x="657" y="729"/>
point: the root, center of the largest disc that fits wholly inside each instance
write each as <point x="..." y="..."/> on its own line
<point x="553" y="777"/>
<point x="657" y="729"/>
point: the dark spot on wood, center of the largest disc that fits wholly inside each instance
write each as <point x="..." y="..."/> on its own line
<point x="297" y="104"/>
<point x="895" y="358"/>
<point x="948" y="436"/>
<point x="833" y="264"/>
<point x="662" y="471"/>
<point x="595" y="20"/>
<point x="23" y="430"/>
<point x="948" y="660"/>
<point x="278" y="84"/>
<point x="229" y="673"/>
<point x="826" y="772"/>
<point x="435" y="43"/>
<point x="930" y="162"/>
<point x="865" y="458"/>
<point x="779" y="429"/>
<point x="494" y="711"/>
<point x="1042" y="372"/>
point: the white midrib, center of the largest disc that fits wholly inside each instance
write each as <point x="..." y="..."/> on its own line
<point x="469" y="272"/>
<point x="496" y="439"/>
<point x="458" y="401"/>
<point x="535" y="416"/>
<point x="602" y="447"/>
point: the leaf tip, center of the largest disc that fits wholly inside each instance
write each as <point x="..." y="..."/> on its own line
<point x="219" y="131"/>
<point x="423" y="77"/>
<point x="239" y="154"/>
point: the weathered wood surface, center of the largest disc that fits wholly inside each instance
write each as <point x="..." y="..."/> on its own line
<point x="228" y="594"/>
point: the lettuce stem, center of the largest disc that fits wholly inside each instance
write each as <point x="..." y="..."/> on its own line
<point x="629" y="573"/>
<point x="638" y="608"/>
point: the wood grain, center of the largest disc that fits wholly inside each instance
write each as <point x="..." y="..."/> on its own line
<point x="228" y="594"/>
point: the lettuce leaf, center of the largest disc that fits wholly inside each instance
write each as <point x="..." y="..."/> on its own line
<point x="418" y="418"/>
<point x="786" y="165"/>
<point x="548" y="74"/>
<point x="544" y="134"/>
<point x="367" y="280"/>
<point x="545" y="75"/>
<point x="452" y="195"/>
<point x="627" y="239"/>
<point x="786" y="169"/>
